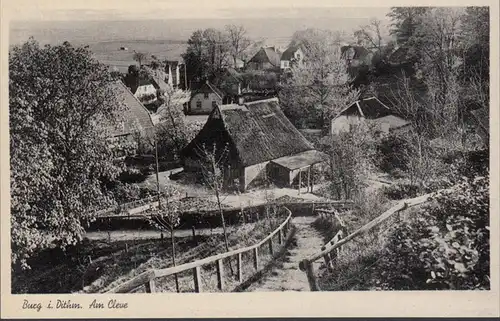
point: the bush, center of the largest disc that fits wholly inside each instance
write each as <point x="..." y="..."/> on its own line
<point x="446" y="247"/>
<point x="390" y="153"/>
<point x="400" y="191"/>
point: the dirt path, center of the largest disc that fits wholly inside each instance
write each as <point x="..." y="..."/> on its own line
<point x="288" y="276"/>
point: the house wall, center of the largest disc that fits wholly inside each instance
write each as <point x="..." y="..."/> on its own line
<point x="343" y="123"/>
<point x="284" y="64"/>
<point x="206" y="103"/>
<point x="145" y="90"/>
<point x="260" y="65"/>
<point x="250" y="173"/>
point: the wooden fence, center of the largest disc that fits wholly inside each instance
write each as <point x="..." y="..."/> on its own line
<point x="331" y="249"/>
<point x="148" y="278"/>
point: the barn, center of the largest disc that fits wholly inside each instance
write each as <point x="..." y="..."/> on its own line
<point x="260" y="144"/>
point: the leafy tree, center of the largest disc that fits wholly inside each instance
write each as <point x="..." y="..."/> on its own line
<point x="405" y="21"/>
<point x="350" y="160"/>
<point x="172" y="132"/>
<point x="195" y="60"/>
<point x="444" y="247"/>
<point x="319" y="87"/>
<point x="60" y="104"/>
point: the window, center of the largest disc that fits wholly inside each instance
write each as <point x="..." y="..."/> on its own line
<point x="205" y="96"/>
<point x="214" y="103"/>
<point x="198" y="104"/>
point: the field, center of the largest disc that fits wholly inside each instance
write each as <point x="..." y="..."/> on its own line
<point x="109" y="53"/>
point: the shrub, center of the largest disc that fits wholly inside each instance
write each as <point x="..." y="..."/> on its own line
<point x="446" y="247"/>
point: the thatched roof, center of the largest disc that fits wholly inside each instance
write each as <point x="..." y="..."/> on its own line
<point x="136" y="116"/>
<point x="257" y="132"/>
<point x="267" y="55"/>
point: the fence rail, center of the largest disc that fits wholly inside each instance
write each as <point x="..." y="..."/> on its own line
<point x="331" y="249"/>
<point x="148" y="278"/>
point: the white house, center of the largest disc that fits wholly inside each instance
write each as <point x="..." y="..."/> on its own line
<point x="293" y="54"/>
<point x="204" y="99"/>
<point x="370" y="111"/>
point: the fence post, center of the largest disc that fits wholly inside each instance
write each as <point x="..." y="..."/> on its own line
<point x="240" y="271"/>
<point x="256" y="258"/>
<point x="311" y="277"/>
<point x="280" y="237"/>
<point x="197" y="279"/>
<point x="328" y="262"/>
<point x="150" y="286"/>
<point x="271" y="251"/>
<point x="220" y="274"/>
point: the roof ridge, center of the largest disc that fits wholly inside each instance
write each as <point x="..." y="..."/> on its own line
<point x="262" y="101"/>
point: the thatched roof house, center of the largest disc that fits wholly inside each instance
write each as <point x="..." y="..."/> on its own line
<point x="261" y="143"/>
<point x="266" y="58"/>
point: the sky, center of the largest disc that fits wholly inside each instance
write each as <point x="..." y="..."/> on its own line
<point x="50" y="10"/>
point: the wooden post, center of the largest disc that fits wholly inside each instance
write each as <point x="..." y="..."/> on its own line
<point x="240" y="271"/>
<point x="271" y="251"/>
<point x="311" y="277"/>
<point x="312" y="180"/>
<point x="220" y="274"/>
<point x="150" y="286"/>
<point x="309" y="178"/>
<point x="328" y="262"/>
<point x="197" y="279"/>
<point x="280" y="237"/>
<point x="256" y="258"/>
<point x="300" y="180"/>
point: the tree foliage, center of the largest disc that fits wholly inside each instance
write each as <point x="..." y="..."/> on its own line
<point x="446" y="246"/>
<point x="60" y="103"/>
<point x="319" y="87"/>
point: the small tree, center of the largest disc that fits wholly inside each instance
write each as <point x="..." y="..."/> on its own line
<point x="212" y="161"/>
<point x="167" y="219"/>
<point x="140" y="57"/>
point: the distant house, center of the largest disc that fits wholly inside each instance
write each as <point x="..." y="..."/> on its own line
<point x="370" y="111"/>
<point x="204" y="99"/>
<point x="356" y="55"/>
<point x="261" y="142"/>
<point x="291" y="55"/>
<point x="265" y="59"/>
<point x="142" y="88"/>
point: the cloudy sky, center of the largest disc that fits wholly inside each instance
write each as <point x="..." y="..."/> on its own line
<point x="185" y="9"/>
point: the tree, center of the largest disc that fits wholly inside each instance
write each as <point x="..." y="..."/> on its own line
<point x="194" y="58"/>
<point x="238" y="42"/>
<point x="140" y="57"/>
<point x="212" y="163"/>
<point x="167" y="219"/>
<point x="350" y="160"/>
<point x="319" y="87"/>
<point x="217" y="51"/>
<point x="405" y="21"/>
<point x="61" y="103"/>
<point x="370" y="35"/>
<point x="172" y="130"/>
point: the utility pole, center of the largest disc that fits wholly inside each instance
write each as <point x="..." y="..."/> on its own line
<point x="158" y="179"/>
